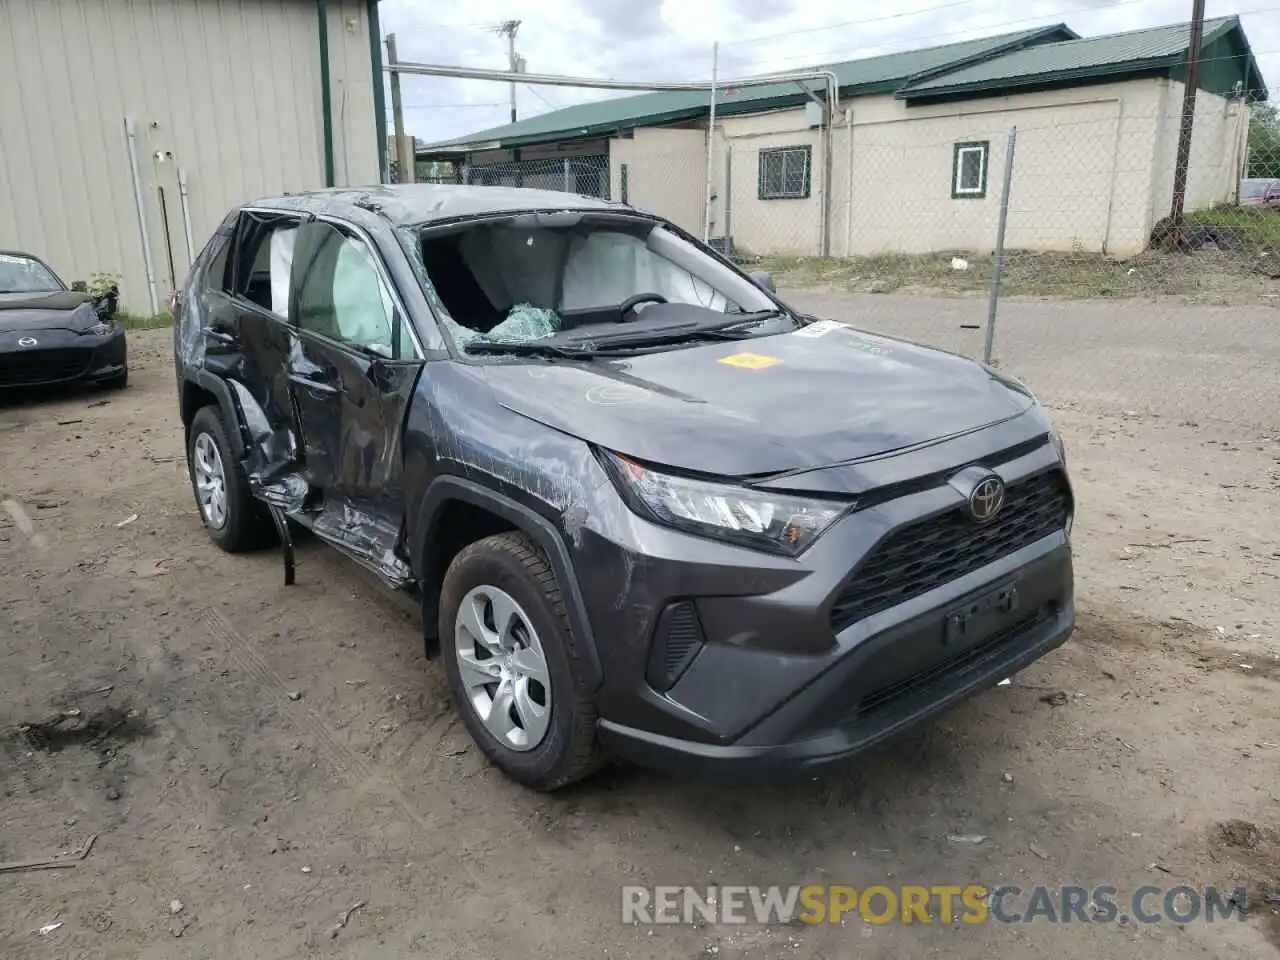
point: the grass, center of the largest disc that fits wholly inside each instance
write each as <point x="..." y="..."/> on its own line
<point x="1247" y="274"/>
<point x="141" y="321"/>
<point x="1254" y="227"/>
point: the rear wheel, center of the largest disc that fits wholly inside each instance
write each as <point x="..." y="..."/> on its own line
<point x="506" y="643"/>
<point x="235" y="520"/>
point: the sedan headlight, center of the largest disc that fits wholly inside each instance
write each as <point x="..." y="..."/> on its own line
<point x="99" y="329"/>
<point x="768" y="521"/>
<point x="1055" y="437"/>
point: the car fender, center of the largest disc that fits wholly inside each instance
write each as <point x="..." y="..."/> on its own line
<point x="231" y="415"/>
<point x="445" y="488"/>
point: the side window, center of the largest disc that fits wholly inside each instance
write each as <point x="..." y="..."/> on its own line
<point x="261" y="261"/>
<point x="215" y="274"/>
<point x="341" y="294"/>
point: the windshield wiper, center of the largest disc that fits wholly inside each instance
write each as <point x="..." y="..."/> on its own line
<point x="637" y="338"/>
<point x="566" y="352"/>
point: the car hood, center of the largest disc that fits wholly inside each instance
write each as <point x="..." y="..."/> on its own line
<point x="64" y="310"/>
<point x="818" y="396"/>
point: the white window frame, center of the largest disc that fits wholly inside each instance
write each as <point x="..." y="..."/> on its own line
<point x="958" y="189"/>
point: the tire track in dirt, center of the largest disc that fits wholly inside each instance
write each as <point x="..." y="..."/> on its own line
<point x="364" y="777"/>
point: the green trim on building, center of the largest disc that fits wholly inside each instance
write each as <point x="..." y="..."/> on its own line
<point x="379" y="88"/>
<point x="1157" y="51"/>
<point x="326" y="95"/>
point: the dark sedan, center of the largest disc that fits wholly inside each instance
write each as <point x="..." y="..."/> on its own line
<point x="50" y="334"/>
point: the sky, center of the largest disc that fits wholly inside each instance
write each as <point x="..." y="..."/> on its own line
<point x="664" y="40"/>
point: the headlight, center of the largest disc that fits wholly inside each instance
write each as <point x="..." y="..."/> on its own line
<point x="759" y="519"/>
<point x="1059" y="444"/>
<point x="100" y="329"/>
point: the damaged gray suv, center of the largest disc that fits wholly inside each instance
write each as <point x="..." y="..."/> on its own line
<point x="651" y="512"/>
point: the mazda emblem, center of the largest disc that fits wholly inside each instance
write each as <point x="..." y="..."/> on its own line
<point x="27" y="342"/>
<point x="986" y="499"/>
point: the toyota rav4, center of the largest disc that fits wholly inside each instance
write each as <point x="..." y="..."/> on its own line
<point x="650" y="511"/>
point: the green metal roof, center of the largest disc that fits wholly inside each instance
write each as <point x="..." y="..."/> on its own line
<point x="882" y="74"/>
<point x="1136" y="51"/>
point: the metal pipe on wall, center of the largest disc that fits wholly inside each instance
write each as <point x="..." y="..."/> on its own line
<point x="599" y="83"/>
<point x="326" y="94"/>
<point x="186" y="215"/>
<point x="848" y="204"/>
<point x="168" y="237"/>
<point x="131" y="140"/>
<point x="711" y="145"/>
<point x="379" y="94"/>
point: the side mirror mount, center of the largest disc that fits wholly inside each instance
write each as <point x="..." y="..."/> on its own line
<point x="764" y="279"/>
<point x="79" y="286"/>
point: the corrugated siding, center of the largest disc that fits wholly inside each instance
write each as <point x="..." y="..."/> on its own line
<point x="228" y="88"/>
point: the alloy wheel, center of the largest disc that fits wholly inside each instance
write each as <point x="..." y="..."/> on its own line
<point x="211" y="481"/>
<point x="503" y="668"/>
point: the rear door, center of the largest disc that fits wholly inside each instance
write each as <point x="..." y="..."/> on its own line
<point x="351" y="375"/>
<point x="249" y="324"/>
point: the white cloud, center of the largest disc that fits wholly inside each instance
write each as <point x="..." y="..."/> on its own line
<point x="672" y="40"/>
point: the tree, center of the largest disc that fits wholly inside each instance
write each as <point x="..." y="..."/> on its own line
<point x="1264" y="141"/>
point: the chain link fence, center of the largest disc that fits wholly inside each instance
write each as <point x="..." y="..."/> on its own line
<point x="1042" y="236"/>
<point x="1044" y="240"/>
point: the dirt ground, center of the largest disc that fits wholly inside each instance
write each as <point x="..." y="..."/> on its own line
<point x="272" y="756"/>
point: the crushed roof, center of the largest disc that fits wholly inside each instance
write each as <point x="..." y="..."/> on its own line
<point x="884" y="73"/>
<point x="423" y="203"/>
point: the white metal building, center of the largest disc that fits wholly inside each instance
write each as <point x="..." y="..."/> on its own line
<point x="914" y="157"/>
<point x="129" y="128"/>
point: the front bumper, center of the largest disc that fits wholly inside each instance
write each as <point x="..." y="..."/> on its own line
<point x="872" y="694"/>
<point x="46" y="357"/>
<point x="728" y="661"/>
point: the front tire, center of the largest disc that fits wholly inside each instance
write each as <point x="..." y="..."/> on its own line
<point x="235" y="520"/>
<point x="506" y="642"/>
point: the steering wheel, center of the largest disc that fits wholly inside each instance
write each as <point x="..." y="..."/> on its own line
<point x="629" y="304"/>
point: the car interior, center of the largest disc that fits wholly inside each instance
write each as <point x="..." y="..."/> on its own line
<point x="588" y="274"/>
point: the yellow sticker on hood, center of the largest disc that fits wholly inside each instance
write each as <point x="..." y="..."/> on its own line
<point x="749" y="361"/>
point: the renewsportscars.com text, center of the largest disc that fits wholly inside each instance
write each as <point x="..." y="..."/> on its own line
<point x="936" y="903"/>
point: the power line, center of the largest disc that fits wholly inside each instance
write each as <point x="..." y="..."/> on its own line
<point x="850" y="23"/>
<point x="450" y="106"/>
<point x="534" y="90"/>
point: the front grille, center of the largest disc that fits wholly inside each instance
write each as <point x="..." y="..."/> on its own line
<point x="42" y="366"/>
<point x="921" y="556"/>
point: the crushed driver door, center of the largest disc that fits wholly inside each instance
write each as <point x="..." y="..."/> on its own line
<point x="352" y="371"/>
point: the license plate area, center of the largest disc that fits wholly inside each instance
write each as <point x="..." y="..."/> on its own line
<point x="980" y="617"/>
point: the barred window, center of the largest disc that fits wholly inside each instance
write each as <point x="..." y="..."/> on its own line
<point x="969" y="170"/>
<point x="784" y="173"/>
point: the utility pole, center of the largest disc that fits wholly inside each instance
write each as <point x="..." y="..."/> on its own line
<point x="1188" y="118"/>
<point x="508" y="29"/>
<point x="405" y="158"/>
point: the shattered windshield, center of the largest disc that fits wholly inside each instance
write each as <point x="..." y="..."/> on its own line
<point x="25" y="275"/>
<point x="535" y="277"/>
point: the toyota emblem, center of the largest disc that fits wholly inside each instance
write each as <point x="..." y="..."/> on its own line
<point x="27" y="342"/>
<point x="986" y="499"/>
